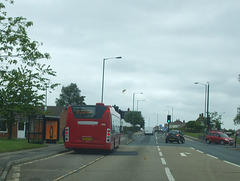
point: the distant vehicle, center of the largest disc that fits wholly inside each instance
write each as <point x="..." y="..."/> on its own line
<point x="92" y="127"/>
<point x="218" y="137"/>
<point x="175" y="136"/>
<point x="148" y="130"/>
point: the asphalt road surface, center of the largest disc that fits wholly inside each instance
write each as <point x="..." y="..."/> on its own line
<point x="147" y="158"/>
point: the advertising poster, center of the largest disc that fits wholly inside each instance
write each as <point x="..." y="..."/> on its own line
<point x="51" y="130"/>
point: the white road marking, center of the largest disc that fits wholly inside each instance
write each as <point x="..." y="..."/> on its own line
<point x="199" y="151"/>
<point x="169" y="174"/>
<point x="232" y="163"/>
<point x="212" y="156"/>
<point x="160" y="154"/>
<point x="163" y="161"/>
<point x="183" y="154"/>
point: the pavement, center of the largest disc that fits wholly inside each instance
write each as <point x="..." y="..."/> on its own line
<point x="8" y="159"/>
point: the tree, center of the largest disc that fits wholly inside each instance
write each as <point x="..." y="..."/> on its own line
<point x="194" y="125"/>
<point x="70" y="95"/>
<point x="236" y="120"/>
<point x="134" y="118"/>
<point x="215" y="120"/>
<point x="23" y="78"/>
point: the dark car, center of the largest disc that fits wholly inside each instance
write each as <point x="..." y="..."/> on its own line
<point x="175" y="136"/>
<point x="218" y="137"/>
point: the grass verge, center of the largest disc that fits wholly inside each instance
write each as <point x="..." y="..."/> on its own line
<point x="195" y="135"/>
<point x="17" y="144"/>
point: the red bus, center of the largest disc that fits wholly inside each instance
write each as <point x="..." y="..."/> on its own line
<point x="92" y="127"/>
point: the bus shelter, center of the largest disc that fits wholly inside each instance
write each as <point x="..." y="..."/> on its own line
<point x="43" y="128"/>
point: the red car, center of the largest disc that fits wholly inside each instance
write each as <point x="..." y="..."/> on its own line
<point x="218" y="137"/>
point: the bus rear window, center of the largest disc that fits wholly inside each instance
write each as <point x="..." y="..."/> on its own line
<point x="88" y="112"/>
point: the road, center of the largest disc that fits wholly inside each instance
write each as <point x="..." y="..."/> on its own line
<point x="147" y="158"/>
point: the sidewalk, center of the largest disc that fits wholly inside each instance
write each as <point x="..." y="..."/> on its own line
<point x="8" y="159"/>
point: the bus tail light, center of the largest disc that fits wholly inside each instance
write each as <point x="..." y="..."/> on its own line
<point x="67" y="134"/>
<point x="108" y="137"/>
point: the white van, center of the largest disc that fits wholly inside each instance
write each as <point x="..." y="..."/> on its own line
<point x="148" y="130"/>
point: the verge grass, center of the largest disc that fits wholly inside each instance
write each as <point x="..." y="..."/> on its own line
<point x="17" y="144"/>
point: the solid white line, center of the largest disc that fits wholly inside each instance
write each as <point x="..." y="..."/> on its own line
<point x="160" y="154"/>
<point x="163" y="161"/>
<point x="169" y="174"/>
<point x="199" y="151"/>
<point x="232" y="163"/>
<point x="212" y="156"/>
<point x="182" y="154"/>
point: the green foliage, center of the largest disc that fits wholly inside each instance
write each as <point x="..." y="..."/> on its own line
<point x="70" y="95"/>
<point x="215" y="120"/>
<point x="134" y="118"/>
<point x="237" y="117"/>
<point x="194" y="126"/>
<point x="23" y="78"/>
<point x="236" y="120"/>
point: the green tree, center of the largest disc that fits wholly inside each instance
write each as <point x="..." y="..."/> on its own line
<point x="237" y="117"/>
<point x="215" y="120"/>
<point x="23" y="78"/>
<point x="70" y="95"/>
<point x="194" y="126"/>
<point x="134" y="118"/>
<point x="236" y="120"/>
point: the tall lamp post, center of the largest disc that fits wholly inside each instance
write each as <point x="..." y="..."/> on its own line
<point x="133" y="105"/>
<point x="206" y="103"/>
<point x="103" y="73"/>
<point x="138" y="101"/>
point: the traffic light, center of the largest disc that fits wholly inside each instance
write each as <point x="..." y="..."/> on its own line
<point x="168" y="118"/>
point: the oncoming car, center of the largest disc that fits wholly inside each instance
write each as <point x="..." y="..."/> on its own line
<point x="218" y="137"/>
<point x="175" y="136"/>
<point x="148" y="130"/>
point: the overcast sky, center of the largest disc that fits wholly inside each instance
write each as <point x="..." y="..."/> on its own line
<point x="165" y="45"/>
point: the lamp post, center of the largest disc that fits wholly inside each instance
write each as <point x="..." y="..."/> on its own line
<point x="157" y="118"/>
<point x="206" y="103"/>
<point x="133" y="105"/>
<point x="103" y="73"/>
<point x="138" y="101"/>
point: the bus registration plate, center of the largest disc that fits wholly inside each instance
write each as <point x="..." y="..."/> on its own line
<point x="87" y="139"/>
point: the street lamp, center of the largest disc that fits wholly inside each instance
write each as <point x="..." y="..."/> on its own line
<point x="133" y="105"/>
<point x="206" y="102"/>
<point x="103" y="73"/>
<point x="138" y="101"/>
<point x="157" y="118"/>
<point x="134" y="98"/>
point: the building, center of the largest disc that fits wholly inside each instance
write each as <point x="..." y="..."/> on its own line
<point x="176" y="124"/>
<point x="20" y="127"/>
